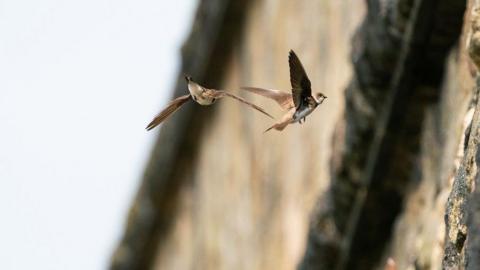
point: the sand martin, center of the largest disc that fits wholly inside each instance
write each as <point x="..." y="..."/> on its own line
<point x="300" y="103"/>
<point x="202" y="96"/>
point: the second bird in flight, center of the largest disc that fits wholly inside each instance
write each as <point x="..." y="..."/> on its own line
<point x="202" y="96"/>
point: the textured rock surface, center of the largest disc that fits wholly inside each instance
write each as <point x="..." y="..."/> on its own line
<point x="418" y="238"/>
<point x="399" y="64"/>
<point x="432" y="229"/>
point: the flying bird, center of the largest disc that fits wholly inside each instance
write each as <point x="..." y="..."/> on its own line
<point x="202" y="96"/>
<point x="300" y="103"/>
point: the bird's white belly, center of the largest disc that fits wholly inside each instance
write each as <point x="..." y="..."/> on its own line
<point x="205" y="101"/>
<point x="198" y="94"/>
<point x="303" y="113"/>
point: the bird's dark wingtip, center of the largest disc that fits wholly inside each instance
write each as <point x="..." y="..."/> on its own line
<point x="263" y="111"/>
<point x="268" y="129"/>
<point x="150" y="126"/>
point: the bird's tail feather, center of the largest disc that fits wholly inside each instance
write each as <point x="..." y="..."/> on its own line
<point x="277" y="126"/>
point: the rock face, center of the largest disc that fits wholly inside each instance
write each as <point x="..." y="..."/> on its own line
<point x="383" y="169"/>
<point x="419" y="231"/>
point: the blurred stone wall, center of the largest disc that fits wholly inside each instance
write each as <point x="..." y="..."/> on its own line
<point x="421" y="235"/>
<point x="418" y="239"/>
<point x="250" y="194"/>
<point x="245" y="198"/>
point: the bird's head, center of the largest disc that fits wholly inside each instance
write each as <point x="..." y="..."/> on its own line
<point x="319" y="98"/>
<point x="188" y="78"/>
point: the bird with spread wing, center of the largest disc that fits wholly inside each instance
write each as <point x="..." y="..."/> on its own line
<point x="300" y="103"/>
<point x="202" y="96"/>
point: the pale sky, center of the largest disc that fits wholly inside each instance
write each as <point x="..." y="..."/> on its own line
<point x="79" y="80"/>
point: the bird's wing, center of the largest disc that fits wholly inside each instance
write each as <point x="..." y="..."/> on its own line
<point x="171" y="107"/>
<point x="282" y="98"/>
<point x="301" y="86"/>
<point x="219" y="94"/>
